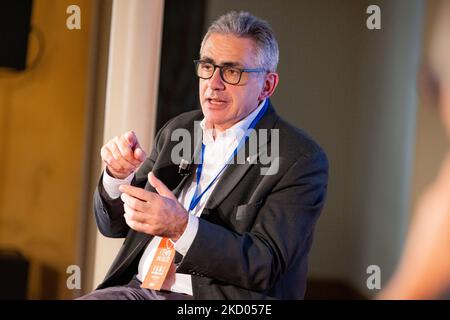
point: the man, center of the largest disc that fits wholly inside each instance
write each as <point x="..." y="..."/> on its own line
<point x="237" y="231"/>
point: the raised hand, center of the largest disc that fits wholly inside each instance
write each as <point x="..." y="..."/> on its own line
<point x="122" y="155"/>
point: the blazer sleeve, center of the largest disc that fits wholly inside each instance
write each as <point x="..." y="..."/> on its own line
<point x="109" y="212"/>
<point x="280" y="234"/>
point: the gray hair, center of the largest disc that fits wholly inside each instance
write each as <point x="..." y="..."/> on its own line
<point x="244" y="24"/>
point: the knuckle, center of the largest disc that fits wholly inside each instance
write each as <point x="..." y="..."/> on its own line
<point x="104" y="153"/>
<point x="134" y="203"/>
<point x="111" y="145"/>
<point x="109" y="159"/>
<point x="123" y="140"/>
<point x="160" y="202"/>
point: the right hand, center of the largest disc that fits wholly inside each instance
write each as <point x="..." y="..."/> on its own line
<point x="122" y="155"/>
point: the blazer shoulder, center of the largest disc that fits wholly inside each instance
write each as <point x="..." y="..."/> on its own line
<point x="305" y="145"/>
<point x="184" y="120"/>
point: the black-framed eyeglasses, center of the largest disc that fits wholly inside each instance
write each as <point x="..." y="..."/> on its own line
<point x="229" y="74"/>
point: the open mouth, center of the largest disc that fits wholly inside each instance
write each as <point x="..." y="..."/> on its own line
<point x="217" y="102"/>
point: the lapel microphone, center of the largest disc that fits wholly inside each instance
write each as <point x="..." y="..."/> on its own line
<point x="184" y="168"/>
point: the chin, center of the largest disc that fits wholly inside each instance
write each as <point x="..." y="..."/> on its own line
<point x="217" y="119"/>
<point x="215" y="115"/>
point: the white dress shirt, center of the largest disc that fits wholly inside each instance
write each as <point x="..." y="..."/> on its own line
<point x="218" y="150"/>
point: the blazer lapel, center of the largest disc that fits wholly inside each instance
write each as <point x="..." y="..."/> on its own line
<point x="196" y="145"/>
<point x="169" y="172"/>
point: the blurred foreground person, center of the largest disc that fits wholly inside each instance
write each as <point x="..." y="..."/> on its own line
<point x="424" y="269"/>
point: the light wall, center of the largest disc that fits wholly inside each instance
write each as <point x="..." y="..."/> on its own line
<point x="131" y="94"/>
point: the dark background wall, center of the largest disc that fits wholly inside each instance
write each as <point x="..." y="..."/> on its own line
<point x="182" y="34"/>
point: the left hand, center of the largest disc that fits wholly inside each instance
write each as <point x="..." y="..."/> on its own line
<point x="158" y="214"/>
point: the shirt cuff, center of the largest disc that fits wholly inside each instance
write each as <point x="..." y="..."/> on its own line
<point x="112" y="185"/>
<point x="183" y="244"/>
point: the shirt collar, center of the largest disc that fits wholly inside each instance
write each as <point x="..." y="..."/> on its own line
<point x="236" y="131"/>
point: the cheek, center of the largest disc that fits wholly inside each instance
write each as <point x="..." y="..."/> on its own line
<point x="201" y="87"/>
<point x="252" y="94"/>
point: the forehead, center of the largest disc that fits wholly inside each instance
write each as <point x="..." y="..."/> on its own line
<point x="229" y="49"/>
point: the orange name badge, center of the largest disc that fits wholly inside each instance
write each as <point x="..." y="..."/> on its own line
<point x="160" y="265"/>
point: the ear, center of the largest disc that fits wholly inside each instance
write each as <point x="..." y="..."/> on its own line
<point x="269" y="86"/>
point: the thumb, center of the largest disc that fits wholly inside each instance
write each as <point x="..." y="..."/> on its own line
<point x="160" y="187"/>
<point x="130" y="136"/>
<point x="139" y="154"/>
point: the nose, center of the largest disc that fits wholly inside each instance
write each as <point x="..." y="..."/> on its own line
<point x="216" y="82"/>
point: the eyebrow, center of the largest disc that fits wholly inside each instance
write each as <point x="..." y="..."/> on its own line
<point x="226" y="63"/>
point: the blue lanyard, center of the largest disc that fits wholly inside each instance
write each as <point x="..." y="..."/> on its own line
<point x="196" y="197"/>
